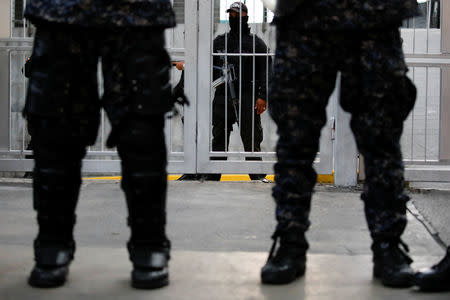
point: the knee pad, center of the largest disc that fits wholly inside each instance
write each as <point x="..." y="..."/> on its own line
<point x="57" y="174"/>
<point x="55" y="196"/>
<point x="146" y="201"/>
<point x="56" y="187"/>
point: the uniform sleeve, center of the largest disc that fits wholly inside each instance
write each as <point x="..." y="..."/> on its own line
<point x="262" y="69"/>
<point x="218" y="47"/>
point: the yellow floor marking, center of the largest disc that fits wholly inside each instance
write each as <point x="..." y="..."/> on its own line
<point x="321" y="178"/>
<point x="235" y="177"/>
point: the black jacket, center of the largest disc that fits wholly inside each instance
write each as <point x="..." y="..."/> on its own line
<point x="333" y="15"/>
<point x="250" y="44"/>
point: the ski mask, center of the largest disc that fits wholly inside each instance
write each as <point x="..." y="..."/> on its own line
<point x="235" y="25"/>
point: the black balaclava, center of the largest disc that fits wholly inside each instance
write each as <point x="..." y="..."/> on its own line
<point x="234" y="24"/>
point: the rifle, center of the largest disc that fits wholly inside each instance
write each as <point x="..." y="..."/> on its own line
<point x="228" y="76"/>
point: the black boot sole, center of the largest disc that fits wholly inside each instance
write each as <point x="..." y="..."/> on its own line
<point x="432" y="285"/>
<point x="39" y="282"/>
<point x="150" y="285"/>
<point x="394" y="281"/>
<point x="282" y="278"/>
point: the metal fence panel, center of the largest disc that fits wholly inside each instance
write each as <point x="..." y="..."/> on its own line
<point x="235" y="61"/>
<point x="425" y="142"/>
<point x="14" y="137"/>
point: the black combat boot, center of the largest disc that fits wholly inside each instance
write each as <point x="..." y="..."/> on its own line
<point x="148" y="247"/>
<point x="150" y="265"/>
<point x="55" y="195"/>
<point x="436" y="278"/>
<point x="289" y="261"/>
<point x="52" y="263"/>
<point x="391" y="264"/>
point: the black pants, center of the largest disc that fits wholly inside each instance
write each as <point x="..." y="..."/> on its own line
<point x="377" y="93"/>
<point x="249" y="125"/>
<point x="63" y="110"/>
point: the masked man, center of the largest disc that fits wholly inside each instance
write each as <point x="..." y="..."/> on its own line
<point x="63" y="109"/>
<point x="249" y="77"/>
<point x="360" y="39"/>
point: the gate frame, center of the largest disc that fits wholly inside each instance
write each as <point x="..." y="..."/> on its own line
<point x="178" y="162"/>
<point x="204" y="164"/>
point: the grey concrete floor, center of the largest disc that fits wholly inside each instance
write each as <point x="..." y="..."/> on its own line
<point x="220" y="234"/>
<point x="434" y="206"/>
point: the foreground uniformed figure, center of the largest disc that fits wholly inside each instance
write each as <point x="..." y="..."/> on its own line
<point x="63" y="109"/>
<point x="436" y="278"/>
<point x="361" y="39"/>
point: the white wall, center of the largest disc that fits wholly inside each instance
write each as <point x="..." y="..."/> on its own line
<point x="5" y="24"/>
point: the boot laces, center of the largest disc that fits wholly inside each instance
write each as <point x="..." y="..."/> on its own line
<point x="401" y="254"/>
<point x="275" y="238"/>
<point x="281" y="252"/>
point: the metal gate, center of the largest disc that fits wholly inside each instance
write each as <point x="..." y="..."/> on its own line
<point x="188" y="135"/>
<point x="222" y="68"/>
<point x="180" y="130"/>
<point x="425" y="143"/>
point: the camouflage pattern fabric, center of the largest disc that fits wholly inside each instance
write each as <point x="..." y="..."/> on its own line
<point x="375" y="90"/>
<point x="136" y="77"/>
<point x="337" y="15"/>
<point x="102" y="13"/>
<point x="63" y="113"/>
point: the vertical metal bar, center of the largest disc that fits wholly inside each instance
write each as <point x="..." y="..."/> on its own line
<point x="11" y="18"/>
<point x="240" y="70"/>
<point x="10" y="103"/>
<point x="167" y="131"/>
<point x="210" y="100"/>
<point x="24" y="94"/>
<point x="192" y="82"/>
<point x="445" y="26"/>
<point x="444" y="115"/>
<point x="414" y="35"/>
<point x="103" y="131"/>
<point x="4" y="94"/>
<point x="426" y="112"/>
<point x="254" y="83"/>
<point x="267" y="78"/>
<point x="226" y="93"/>
<point x="173" y="35"/>
<point x="170" y="135"/>
<point x="428" y="24"/>
<point x="412" y="120"/>
<point x="169" y="121"/>
<point x="23" y="19"/>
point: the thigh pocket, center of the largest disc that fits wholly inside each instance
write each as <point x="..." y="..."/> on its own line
<point x="406" y="93"/>
<point x="45" y="98"/>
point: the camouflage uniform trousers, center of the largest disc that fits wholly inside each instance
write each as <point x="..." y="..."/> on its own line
<point x="63" y="112"/>
<point x="377" y="93"/>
